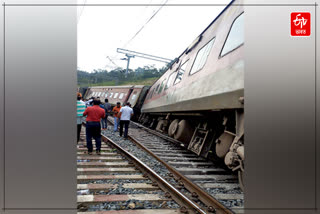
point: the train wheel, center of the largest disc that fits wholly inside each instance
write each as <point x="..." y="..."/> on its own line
<point x="223" y="144"/>
<point x="173" y="127"/>
<point x="240" y="177"/>
<point x="184" y="132"/>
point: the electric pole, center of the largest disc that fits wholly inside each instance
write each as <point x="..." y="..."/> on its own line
<point x="128" y="62"/>
<point x="131" y="54"/>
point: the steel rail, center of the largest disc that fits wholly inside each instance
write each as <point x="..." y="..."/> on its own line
<point x="166" y="186"/>
<point x="214" y="206"/>
<point x="158" y="134"/>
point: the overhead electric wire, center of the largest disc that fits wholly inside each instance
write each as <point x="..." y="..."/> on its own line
<point x="84" y="4"/>
<point x="146" y="23"/>
<point x="134" y="36"/>
<point x="112" y="61"/>
<point x="153" y="15"/>
<point x="113" y="67"/>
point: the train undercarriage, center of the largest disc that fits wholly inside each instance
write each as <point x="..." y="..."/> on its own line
<point x="216" y="135"/>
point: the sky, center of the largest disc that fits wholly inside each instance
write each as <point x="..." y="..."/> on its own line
<point x="103" y="29"/>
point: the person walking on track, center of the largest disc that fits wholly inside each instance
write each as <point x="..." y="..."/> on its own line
<point x="107" y="108"/>
<point x="116" y="111"/>
<point x="93" y="129"/>
<point x="81" y="107"/>
<point x="125" y="115"/>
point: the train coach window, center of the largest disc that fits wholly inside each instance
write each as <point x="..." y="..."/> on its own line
<point x="99" y="94"/>
<point x="202" y="57"/>
<point x="106" y="94"/>
<point x="111" y="95"/>
<point x="235" y="37"/>
<point x="181" y="71"/>
<point x="152" y="92"/>
<point x="116" y="95"/>
<point x="157" y="88"/>
<point x="162" y="85"/>
<point x="133" y="97"/>
<point x="149" y="94"/>
<point x="170" y="80"/>
<point x="121" y="96"/>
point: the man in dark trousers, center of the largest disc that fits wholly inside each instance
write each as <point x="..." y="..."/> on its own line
<point x="107" y="108"/>
<point x="125" y="115"/>
<point x="93" y="129"/>
<point x="116" y="111"/>
<point x="81" y="107"/>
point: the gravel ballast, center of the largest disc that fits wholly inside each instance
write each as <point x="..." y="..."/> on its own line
<point x="159" y="167"/>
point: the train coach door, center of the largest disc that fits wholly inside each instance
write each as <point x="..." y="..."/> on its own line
<point x="128" y="95"/>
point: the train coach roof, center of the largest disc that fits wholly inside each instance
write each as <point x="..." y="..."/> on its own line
<point x="217" y="17"/>
<point x="139" y="86"/>
<point x="231" y="2"/>
<point x="121" y="86"/>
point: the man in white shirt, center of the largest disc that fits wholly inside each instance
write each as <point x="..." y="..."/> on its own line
<point x="89" y="102"/>
<point x="125" y="114"/>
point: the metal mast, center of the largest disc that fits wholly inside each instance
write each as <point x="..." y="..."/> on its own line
<point x="131" y="54"/>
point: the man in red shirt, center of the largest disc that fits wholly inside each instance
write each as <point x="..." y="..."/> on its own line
<point x="93" y="130"/>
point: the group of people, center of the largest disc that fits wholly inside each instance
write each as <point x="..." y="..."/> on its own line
<point x="96" y="114"/>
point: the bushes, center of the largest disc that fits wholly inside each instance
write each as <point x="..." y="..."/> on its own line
<point x="143" y="76"/>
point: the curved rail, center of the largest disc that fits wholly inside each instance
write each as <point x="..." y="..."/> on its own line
<point x="214" y="206"/>
<point x="175" y="193"/>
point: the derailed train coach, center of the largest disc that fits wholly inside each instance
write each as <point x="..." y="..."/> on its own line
<point x="82" y="90"/>
<point x="135" y="94"/>
<point x="199" y="100"/>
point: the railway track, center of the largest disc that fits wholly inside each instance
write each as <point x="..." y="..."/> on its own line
<point x="209" y="184"/>
<point x="118" y="182"/>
